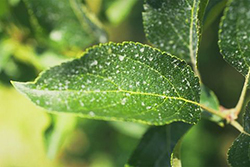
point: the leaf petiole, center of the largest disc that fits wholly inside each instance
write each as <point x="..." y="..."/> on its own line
<point x="238" y="127"/>
<point x="242" y="96"/>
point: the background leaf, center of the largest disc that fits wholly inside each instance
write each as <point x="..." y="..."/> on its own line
<point x="61" y="126"/>
<point x="235" y="35"/>
<point x="77" y="32"/>
<point x="119" y="10"/>
<point x="173" y="26"/>
<point x="134" y="130"/>
<point x="157" y="145"/>
<point x="213" y="10"/>
<point x="129" y="81"/>
<point x="209" y="99"/>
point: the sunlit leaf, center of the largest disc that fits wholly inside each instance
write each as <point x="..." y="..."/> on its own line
<point x="235" y="35"/>
<point x="173" y="26"/>
<point x="156" y="147"/>
<point x="128" y="81"/>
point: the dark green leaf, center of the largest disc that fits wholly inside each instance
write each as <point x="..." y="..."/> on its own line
<point x="173" y="26"/>
<point x="65" y="22"/>
<point x="246" y="119"/>
<point x="209" y="99"/>
<point x="128" y="81"/>
<point x="235" y="35"/>
<point x="239" y="152"/>
<point x="238" y="155"/>
<point x="156" y="147"/>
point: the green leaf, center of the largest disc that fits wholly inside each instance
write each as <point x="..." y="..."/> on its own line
<point x="158" y="143"/>
<point x="128" y="81"/>
<point x="119" y="10"/>
<point x="176" y="154"/>
<point x="6" y="53"/>
<point x="125" y="128"/>
<point x="213" y="10"/>
<point x="239" y="152"/>
<point x="173" y="26"/>
<point x="4" y="8"/>
<point x="246" y="119"/>
<point x="209" y="99"/>
<point x="66" y="23"/>
<point x="234" y="36"/>
<point x="61" y="126"/>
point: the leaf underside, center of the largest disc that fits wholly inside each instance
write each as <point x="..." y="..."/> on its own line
<point x="209" y="99"/>
<point x="156" y="147"/>
<point x="234" y="36"/>
<point x="173" y="26"/>
<point x="128" y="81"/>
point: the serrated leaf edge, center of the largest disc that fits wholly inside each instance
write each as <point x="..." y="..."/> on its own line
<point x="20" y="85"/>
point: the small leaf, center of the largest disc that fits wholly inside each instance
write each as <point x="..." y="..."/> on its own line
<point x="129" y="82"/>
<point x="173" y="26"/>
<point x="234" y="36"/>
<point x="156" y="147"/>
<point x="209" y="99"/>
<point x="239" y="152"/>
<point x="66" y="23"/>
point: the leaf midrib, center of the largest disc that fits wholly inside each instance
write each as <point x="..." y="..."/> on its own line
<point x="191" y="51"/>
<point x="119" y="91"/>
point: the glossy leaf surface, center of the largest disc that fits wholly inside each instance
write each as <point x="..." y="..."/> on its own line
<point x="235" y="35"/>
<point x="158" y="143"/>
<point x="129" y="81"/>
<point x="239" y="153"/>
<point x="172" y="26"/>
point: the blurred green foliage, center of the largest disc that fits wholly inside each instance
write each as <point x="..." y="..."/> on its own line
<point x="28" y="46"/>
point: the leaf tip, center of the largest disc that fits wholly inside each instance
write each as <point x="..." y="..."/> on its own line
<point x="19" y="86"/>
